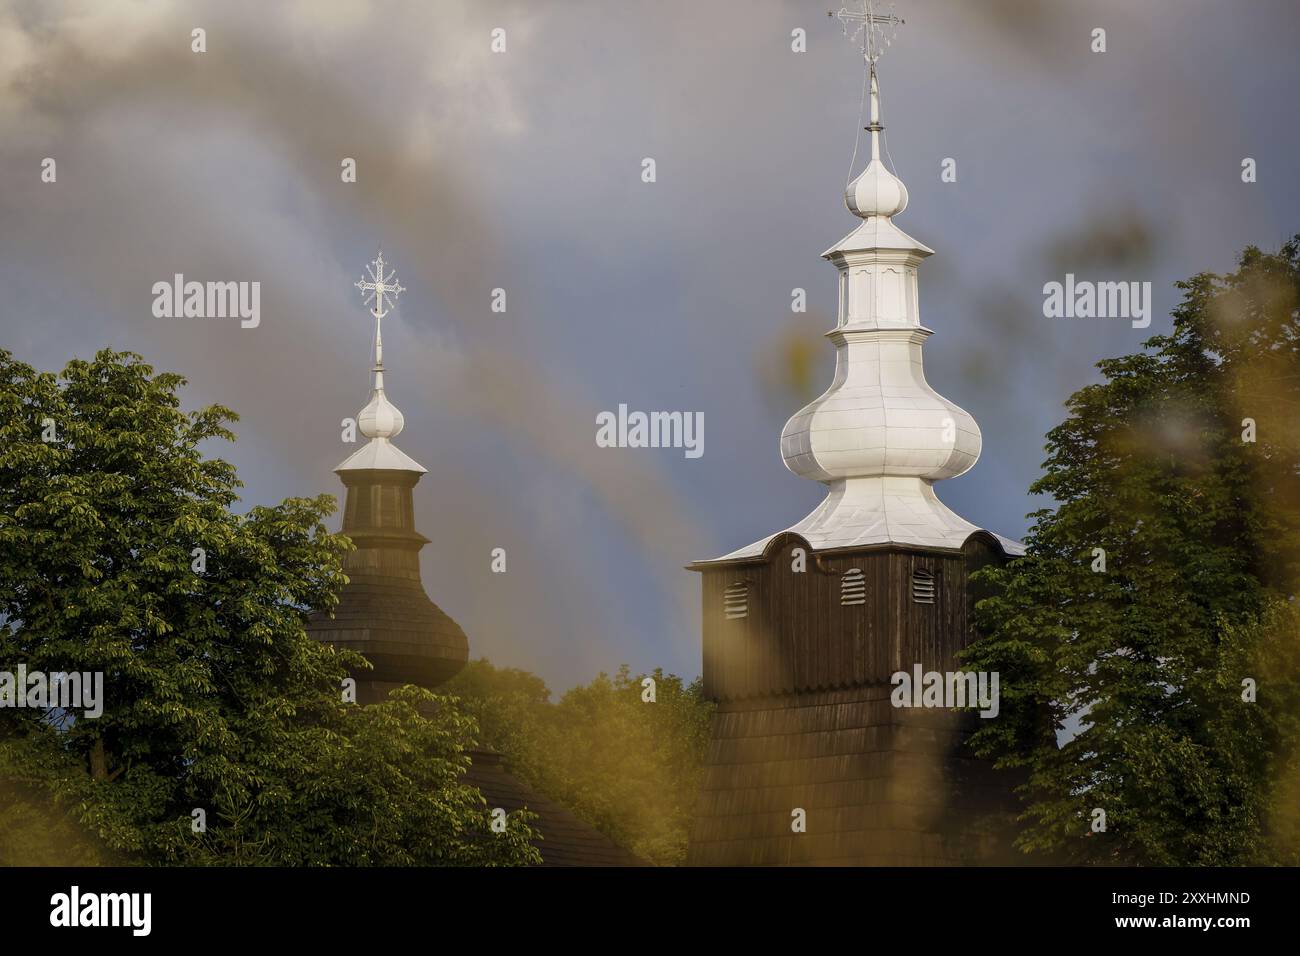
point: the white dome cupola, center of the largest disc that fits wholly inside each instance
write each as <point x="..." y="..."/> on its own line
<point x="380" y="420"/>
<point x="876" y="191"/>
<point x="880" y="436"/>
<point x="880" y="418"/>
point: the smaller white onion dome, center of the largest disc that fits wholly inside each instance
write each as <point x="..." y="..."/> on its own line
<point x="876" y="192"/>
<point x="380" y="418"/>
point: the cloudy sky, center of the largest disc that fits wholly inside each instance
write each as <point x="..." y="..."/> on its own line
<point x="522" y="170"/>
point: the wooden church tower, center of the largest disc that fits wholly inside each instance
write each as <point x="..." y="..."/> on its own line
<point x="383" y="612"/>
<point x="810" y="761"/>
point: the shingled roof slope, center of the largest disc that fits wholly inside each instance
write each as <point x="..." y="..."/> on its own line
<point x="566" y="840"/>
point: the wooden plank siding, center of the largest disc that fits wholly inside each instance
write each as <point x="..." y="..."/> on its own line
<point x="797" y="636"/>
<point x="804" y="717"/>
<point x="878" y="785"/>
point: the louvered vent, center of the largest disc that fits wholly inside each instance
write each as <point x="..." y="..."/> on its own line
<point x="922" y="587"/>
<point x="735" y="601"/>
<point x="853" y="587"/>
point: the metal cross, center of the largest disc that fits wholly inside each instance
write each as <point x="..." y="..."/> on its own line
<point x="380" y="287"/>
<point x="876" y="30"/>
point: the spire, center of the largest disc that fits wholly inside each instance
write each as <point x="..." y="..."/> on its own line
<point x="380" y="420"/>
<point x="876" y="195"/>
<point x="876" y="191"/>
<point x="880" y="418"/>
<point x="880" y="436"/>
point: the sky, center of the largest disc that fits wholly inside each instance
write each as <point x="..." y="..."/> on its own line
<point x="522" y="170"/>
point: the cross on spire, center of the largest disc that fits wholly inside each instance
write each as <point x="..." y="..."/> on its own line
<point x="876" y="30"/>
<point x="380" y="420"/>
<point x="382" y="284"/>
<point x="380" y="287"/>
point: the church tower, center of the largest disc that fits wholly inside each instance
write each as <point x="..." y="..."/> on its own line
<point x="383" y="612"/>
<point x="811" y="761"/>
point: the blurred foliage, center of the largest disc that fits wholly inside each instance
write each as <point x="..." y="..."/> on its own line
<point x="215" y="696"/>
<point x="1201" y="533"/>
<point x="36" y="832"/>
<point x="792" y="366"/>
<point x="630" y="768"/>
<point x="1115" y="236"/>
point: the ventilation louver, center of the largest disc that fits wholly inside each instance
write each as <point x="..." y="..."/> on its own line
<point x="922" y="587"/>
<point x="735" y="601"/>
<point x="853" y="588"/>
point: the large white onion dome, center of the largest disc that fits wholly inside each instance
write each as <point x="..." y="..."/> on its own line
<point x="880" y="417"/>
<point x="880" y="436"/>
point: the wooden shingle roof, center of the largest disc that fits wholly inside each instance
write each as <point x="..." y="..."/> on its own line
<point x="566" y="840"/>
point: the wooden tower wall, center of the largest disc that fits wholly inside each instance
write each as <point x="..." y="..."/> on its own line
<point x="804" y="718"/>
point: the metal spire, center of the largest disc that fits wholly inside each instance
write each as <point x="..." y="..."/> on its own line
<point x="380" y="287"/>
<point x="877" y="31"/>
<point x="380" y="420"/>
<point x="874" y="32"/>
<point x="377" y="292"/>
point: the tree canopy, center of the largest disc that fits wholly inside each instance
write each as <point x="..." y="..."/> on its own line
<point x="120" y="554"/>
<point x="628" y="765"/>
<point x="1159" y="589"/>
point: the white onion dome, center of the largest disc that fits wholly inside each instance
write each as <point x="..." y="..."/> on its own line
<point x="380" y="418"/>
<point x="880" y="418"/>
<point x="880" y="437"/>
<point x="876" y="192"/>
<point x="865" y="428"/>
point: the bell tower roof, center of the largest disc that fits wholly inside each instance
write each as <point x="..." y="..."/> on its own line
<point x="880" y="437"/>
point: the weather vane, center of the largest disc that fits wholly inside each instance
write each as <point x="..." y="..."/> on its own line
<point x="380" y="287"/>
<point x="876" y="30"/>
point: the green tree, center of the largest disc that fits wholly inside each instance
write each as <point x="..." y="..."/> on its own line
<point x="627" y="766"/>
<point x="119" y="553"/>
<point x="1122" y="687"/>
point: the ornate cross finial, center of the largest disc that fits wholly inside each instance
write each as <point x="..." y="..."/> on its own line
<point x="380" y="287"/>
<point x="876" y="31"/>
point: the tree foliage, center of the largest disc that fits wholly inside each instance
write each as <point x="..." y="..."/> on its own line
<point x="1122" y="688"/>
<point x="216" y="697"/>
<point x="627" y="766"/>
